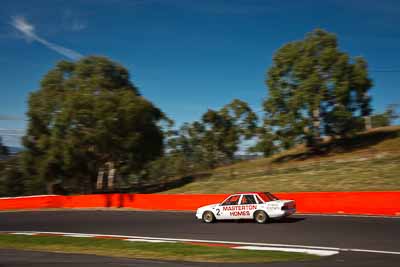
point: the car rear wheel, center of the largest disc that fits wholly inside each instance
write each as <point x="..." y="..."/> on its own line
<point x="208" y="217"/>
<point x="260" y="216"/>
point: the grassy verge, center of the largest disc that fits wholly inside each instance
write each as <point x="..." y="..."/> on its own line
<point x="367" y="162"/>
<point x="143" y="250"/>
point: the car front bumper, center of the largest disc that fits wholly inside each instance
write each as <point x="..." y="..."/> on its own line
<point x="199" y="215"/>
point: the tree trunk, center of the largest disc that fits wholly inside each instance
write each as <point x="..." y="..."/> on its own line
<point x="111" y="175"/>
<point x="316" y="123"/>
<point x="315" y="136"/>
<point x="100" y="178"/>
<point x="50" y="188"/>
<point x="368" y="123"/>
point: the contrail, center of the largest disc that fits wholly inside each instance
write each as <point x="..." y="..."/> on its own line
<point x="28" y="30"/>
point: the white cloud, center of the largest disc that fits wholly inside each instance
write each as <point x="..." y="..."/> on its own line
<point x="78" y="26"/>
<point x="28" y="30"/>
<point x="72" y="22"/>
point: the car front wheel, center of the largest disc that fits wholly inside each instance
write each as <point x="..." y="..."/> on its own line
<point x="260" y="216"/>
<point x="208" y="217"/>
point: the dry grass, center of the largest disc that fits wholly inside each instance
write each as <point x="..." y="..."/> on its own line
<point x="367" y="162"/>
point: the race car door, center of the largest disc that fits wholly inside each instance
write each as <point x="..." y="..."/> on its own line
<point x="228" y="208"/>
<point x="247" y="206"/>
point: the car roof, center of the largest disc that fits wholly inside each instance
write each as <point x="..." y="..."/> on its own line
<point x="244" y="193"/>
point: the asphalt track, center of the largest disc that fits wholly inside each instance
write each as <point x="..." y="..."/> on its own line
<point x="366" y="233"/>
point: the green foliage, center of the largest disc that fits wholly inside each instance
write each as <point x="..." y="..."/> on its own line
<point x="166" y="167"/>
<point x="265" y="143"/>
<point x="315" y="89"/>
<point x="3" y="149"/>
<point x="216" y="138"/>
<point x="12" y="181"/>
<point x="386" y="118"/>
<point x="85" y="115"/>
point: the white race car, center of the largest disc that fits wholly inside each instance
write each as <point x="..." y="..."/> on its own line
<point x="259" y="206"/>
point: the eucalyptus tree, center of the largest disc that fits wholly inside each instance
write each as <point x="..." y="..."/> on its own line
<point x="226" y="128"/>
<point x="315" y="89"/>
<point x="87" y="117"/>
<point x="216" y="138"/>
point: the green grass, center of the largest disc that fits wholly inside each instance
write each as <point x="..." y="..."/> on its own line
<point x="369" y="161"/>
<point x="143" y="250"/>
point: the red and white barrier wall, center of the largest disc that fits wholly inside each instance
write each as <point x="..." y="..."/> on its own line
<point x="368" y="203"/>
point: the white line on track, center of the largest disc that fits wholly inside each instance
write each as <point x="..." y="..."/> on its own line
<point x="80" y="235"/>
<point x="149" y="240"/>
<point x="319" y="252"/>
<point x="216" y="242"/>
<point x="23" y="233"/>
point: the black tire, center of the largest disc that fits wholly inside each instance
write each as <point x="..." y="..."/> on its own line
<point x="208" y="217"/>
<point x="261" y="217"/>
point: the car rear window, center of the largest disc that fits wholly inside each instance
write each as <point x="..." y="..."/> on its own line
<point x="259" y="199"/>
<point x="267" y="196"/>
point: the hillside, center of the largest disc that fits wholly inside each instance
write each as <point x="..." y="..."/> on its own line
<point x="369" y="161"/>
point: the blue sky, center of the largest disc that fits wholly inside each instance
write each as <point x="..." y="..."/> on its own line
<point x="187" y="55"/>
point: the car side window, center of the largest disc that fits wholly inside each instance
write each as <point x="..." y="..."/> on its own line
<point x="233" y="200"/>
<point x="248" y="199"/>
<point x="259" y="199"/>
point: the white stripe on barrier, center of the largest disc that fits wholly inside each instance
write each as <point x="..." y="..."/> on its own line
<point x="34" y="196"/>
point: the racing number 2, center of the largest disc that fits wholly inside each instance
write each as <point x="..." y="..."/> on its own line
<point x="218" y="212"/>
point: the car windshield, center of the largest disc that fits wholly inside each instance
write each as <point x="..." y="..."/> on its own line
<point x="232" y="200"/>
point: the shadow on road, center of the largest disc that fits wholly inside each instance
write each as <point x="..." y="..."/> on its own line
<point x="289" y="220"/>
<point x="284" y="220"/>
